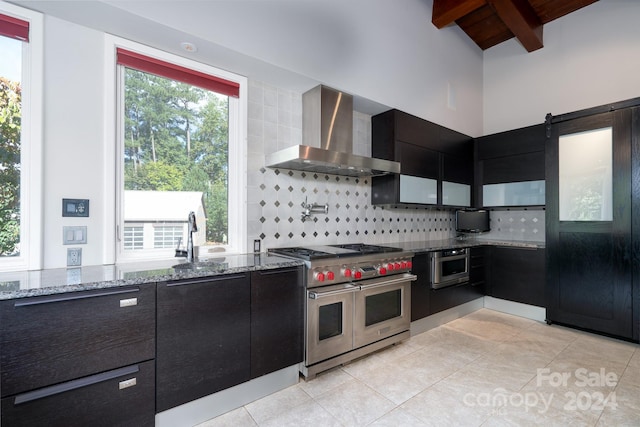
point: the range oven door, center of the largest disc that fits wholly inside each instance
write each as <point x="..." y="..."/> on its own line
<point x="383" y="308"/>
<point x="329" y="322"/>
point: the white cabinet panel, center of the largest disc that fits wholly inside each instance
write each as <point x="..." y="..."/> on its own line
<point x="414" y="189"/>
<point x="525" y="193"/>
<point x="454" y="194"/>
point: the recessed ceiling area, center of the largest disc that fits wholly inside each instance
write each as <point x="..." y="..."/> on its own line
<point x="491" y="22"/>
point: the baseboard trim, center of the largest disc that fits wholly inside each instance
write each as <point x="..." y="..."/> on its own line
<point x="205" y="408"/>
<point x="446" y="316"/>
<point x="516" y="308"/>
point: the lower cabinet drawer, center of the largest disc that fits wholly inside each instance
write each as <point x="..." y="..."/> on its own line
<point x="120" y="397"/>
<point x="53" y="339"/>
<point x="451" y="296"/>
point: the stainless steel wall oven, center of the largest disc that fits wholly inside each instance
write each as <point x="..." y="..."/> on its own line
<point x="449" y="267"/>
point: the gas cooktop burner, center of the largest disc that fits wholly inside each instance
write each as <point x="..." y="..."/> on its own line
<point x="302" y="253"/>
<point x="367" y="249"/>
<point x="333" y="251"/>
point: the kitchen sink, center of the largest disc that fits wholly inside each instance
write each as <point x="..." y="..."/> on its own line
<point x="205" y="264"/>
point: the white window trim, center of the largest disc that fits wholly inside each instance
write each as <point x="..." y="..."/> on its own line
<point x="31" y="241"/>
<point x="237" y="200"/>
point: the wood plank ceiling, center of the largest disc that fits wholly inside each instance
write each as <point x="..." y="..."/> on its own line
<point x="491" y="22"/>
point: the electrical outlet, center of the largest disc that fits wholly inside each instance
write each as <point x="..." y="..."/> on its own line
<point x="74" y="257"/>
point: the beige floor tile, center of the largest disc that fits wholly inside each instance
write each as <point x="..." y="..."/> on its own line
<point x="274" y="404"/>
<point x="438" y="408"/>
<point x="398" y="418"/>
<point x="307" y="414"/>
<point x="324" y="382"/>
<point x="355" y="404"/>
<point x="396" y="383"/>
<point x="236" y="418"/>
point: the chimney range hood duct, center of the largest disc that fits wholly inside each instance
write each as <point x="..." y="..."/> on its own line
<point x="327" y="134"/>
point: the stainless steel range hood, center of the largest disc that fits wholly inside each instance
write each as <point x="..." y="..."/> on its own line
<point x="327" y="135"/>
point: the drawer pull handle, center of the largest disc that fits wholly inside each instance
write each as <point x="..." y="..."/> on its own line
<point x="127" y="383"/>
<point x="74" y="384"/>
<point x="129" y="302"/>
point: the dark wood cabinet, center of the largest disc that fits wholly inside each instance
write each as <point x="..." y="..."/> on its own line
<point x="277" y="319"/>
<point x="478" y="269"/>
<point x="80" y="358"/>
<point x="421" y="287"/>
<point x="510" y="157"/>
<point x="424" y="150"/>
<point x="417" y="161"/>
<point x="518" y="274"/>
<point x="121" y="397"/>
<point x="426" y="301"/>
<point x="452" y="296"/>
<point x="203" y="337"/>
<point x="52" y="339"/>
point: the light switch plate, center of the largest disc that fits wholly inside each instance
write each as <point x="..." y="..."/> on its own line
<point x="74" y="235"/>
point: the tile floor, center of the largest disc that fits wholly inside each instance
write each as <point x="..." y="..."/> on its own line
<point x="484" y="369"/>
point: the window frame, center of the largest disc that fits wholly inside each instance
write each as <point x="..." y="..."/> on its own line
<point x="114" y="146"/>
<point x="31" y="183"/>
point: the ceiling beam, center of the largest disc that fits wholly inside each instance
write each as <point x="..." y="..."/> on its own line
<point x="522" y="20"/>
<point x="446" y="12"/>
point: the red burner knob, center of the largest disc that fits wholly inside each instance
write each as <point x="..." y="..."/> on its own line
<point x="382" y="271"/>
<point x="357" y="275"/>
<point x="397" y="266"/>
<point x="405" y="264"/>
<point x="409" y="264"/>
<point x="389" y="266"/>
<point x="330" y="275"/>
<point x="346" y="272"/>
<point x="320" y="277"/>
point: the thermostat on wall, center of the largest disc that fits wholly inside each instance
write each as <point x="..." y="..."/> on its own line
<point x="75" y="207"/>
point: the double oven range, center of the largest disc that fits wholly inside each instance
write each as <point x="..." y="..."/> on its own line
<point x="358" y="301"/>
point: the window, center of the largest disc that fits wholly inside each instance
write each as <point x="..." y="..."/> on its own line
<point x="168" y="236"/>
<point x="181" y="149"/>
<point x="133" y="237"/>
<point x="20" y="137"/>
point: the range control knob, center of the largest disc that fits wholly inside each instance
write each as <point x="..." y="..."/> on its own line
<point x="357" y="275"/>
<point x="397" y="266"/>
<point x="346" y="272"/>
<point x="382" y="271"/>
<point x="330" y="275"/>
<point x="389" y="266"/>
<point x="319" y="276"/>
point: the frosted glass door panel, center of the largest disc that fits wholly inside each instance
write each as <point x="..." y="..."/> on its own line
<point x="418" y="190"/>
<point x="454" y="194"/>
<point x="585" y="176"/>
<point x="524" y="193"/>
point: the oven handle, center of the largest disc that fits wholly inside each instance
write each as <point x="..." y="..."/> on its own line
<point x="451" y="258"/>
<point x="318" y="295"/>
<point x="386" y="281"/>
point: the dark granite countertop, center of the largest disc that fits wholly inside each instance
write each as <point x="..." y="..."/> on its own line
<point x="436" y="245"/>
<point x="22" y="284"/>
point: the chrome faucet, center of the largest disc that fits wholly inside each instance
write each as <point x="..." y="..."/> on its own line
<point x="192" y="227"/>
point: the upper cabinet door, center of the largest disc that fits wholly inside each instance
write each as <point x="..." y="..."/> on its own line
<point x="588" y="221"/>
<point x="510" y="168"/>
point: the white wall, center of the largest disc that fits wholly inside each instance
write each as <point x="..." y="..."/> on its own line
<point x="74" y="166"/>
<point x="590" y="57"/>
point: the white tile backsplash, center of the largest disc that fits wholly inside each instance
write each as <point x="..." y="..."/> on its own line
<point x="275" y="195"/>
<point x="526" y="225"/>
